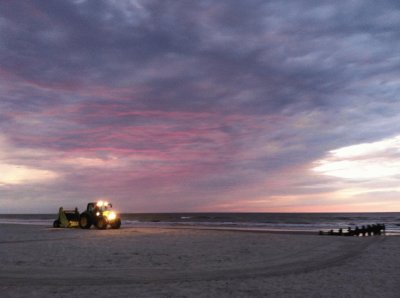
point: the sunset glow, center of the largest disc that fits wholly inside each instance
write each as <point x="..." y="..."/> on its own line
<point x="15" y="174"/>
<point x="375" y="160"/>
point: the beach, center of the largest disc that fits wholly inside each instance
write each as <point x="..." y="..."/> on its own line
<point x="39" y="261"/>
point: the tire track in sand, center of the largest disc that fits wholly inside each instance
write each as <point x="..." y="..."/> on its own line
<point x="124" y="276"/>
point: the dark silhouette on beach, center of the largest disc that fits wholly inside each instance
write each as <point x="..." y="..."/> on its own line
<point x="369" y="230"/>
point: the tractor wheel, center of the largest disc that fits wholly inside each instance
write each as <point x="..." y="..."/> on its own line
<point x="116" y="224"/>
<point x="101" y="223"/>
<point x="84" y="221"/>
<point x="56" y="224"/>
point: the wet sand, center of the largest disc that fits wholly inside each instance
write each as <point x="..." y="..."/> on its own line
<point x="37" y="261"/>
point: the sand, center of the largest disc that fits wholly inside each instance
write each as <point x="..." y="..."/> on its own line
<point x="37" y="261"/>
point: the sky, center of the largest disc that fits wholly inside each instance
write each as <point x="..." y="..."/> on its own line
<point x="200" y="106"/>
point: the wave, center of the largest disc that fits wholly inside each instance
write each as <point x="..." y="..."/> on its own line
<point x="19" y="221"/>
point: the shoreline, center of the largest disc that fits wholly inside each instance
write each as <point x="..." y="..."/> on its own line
<point x="213" y="228"/>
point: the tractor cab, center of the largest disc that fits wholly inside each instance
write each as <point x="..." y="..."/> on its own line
<point x="99" y="206"/>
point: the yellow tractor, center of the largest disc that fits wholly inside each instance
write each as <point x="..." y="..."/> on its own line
<point x="99" y="214"/>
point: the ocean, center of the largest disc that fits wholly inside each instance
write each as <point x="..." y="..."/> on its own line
<point x="307" y="222"/>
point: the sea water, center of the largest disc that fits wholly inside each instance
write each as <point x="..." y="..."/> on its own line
<point x="309" y="222"/>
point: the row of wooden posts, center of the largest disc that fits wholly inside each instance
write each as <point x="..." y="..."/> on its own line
<point x="368" y="230"/>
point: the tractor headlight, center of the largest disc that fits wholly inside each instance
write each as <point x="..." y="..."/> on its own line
<point x="111" y="216"/>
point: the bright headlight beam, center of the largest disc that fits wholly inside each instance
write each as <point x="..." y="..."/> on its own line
<point x="112" y="216"/>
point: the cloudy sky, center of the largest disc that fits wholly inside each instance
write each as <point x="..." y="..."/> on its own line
<point x="200" y="105"/>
